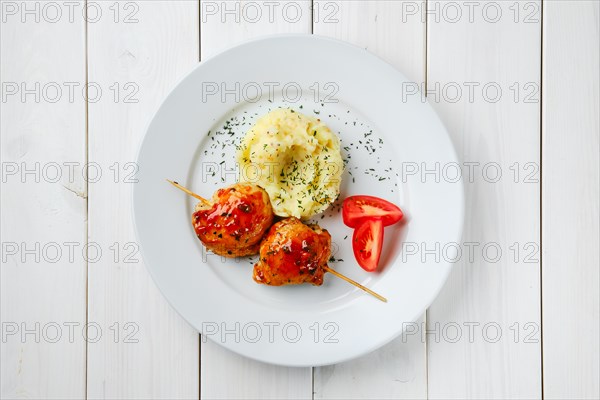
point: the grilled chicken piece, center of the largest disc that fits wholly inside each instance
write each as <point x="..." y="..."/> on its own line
<point x="236" y="221"/>
<point x="293" y="253"/>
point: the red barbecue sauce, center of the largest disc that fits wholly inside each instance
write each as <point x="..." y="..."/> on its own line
<point x="234" y="214"/>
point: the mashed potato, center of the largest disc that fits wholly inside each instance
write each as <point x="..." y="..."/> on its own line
<point x="296" y="159"/>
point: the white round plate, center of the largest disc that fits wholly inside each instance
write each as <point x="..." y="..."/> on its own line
<point x="388" y="138"/>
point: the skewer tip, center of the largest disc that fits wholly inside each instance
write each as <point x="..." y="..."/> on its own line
<point x="358" y="285"/>
<point x="178" y="186"/>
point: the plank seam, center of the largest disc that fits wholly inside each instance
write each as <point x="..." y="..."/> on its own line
<point x="87" y="197"/>
<point x="541" y="195"/>
<point x="199" y="30"/>
<point x="425" y="2"/>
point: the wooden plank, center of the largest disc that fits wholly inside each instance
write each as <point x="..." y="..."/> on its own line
<point x="484" y="328"/>
<point x="392" y="30"/>
<point x="42" y="288"/>
<point x="570" y="162"/>
<point x="222" y="25"/>
<point x="388" y="30"/>
<point x="397" y="370"/>
<point x="138" y="54"/>
<point x="225" y="24"/>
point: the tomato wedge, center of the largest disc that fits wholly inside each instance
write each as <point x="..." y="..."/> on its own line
<point x="358" y="208"/>
<point x="367" y="242"/>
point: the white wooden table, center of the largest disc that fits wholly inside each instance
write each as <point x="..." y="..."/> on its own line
<point x="515" y="82"/>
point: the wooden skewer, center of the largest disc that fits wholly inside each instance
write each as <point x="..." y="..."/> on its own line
<point x="326" y="268"/>
<point x="178" y="186"/>
<point x="358" y="285"/>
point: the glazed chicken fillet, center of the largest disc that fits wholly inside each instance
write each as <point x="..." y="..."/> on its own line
<point x="236" y="220"/>
<point x="293" y="253"/>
